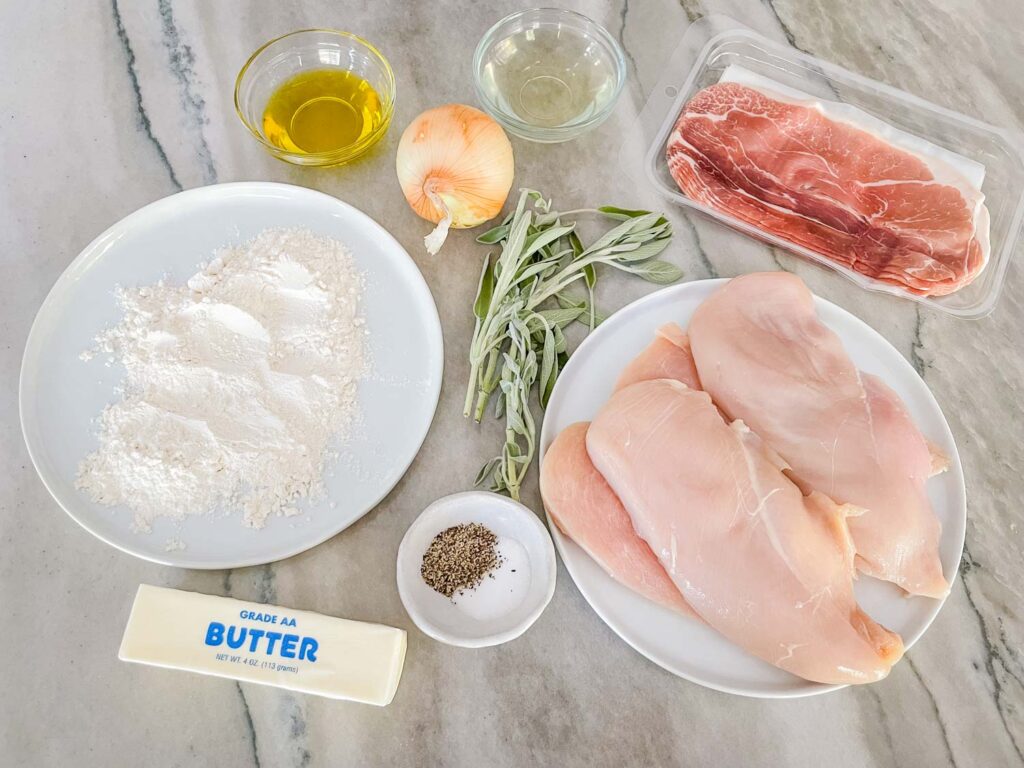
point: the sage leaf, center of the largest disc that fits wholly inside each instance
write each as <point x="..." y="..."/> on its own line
<point x="522" y="307"/>
<point x="485" y="290"/>
<point x="487" y="470"/>
<point x="660" y="272"/>
<point x="620" y="213"/>
<point x="548" y="385"/>
<point x="644" y="252"/>
<point x="561" y="317"/>
<point x="560" y="344"/>
<point x="547" y="358"/>
<point x="544" y="238"/>
<point x="492" y="236"/>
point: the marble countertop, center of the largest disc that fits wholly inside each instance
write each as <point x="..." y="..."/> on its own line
<point x="105" y="106"/>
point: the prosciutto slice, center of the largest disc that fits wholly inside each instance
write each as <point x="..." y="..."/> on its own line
<point x="790" y="170"/>
<point x="765" y="358"/>
<point x="768" y="568"/>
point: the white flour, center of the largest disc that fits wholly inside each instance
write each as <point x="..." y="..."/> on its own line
<point x="237" y="383"/>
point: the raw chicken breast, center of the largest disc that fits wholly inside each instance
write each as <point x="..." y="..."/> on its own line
<point x="587" y="511"/>
<point x="768" y="568"/>
<point x="583" y="506"/>
<point x="667" y="357"/>
<point x="765" y="358"/>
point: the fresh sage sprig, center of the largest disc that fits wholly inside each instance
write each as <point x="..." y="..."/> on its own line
<point x="524" y="302"/>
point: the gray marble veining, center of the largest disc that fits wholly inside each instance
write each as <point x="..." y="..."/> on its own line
<point x="105" y="106"/>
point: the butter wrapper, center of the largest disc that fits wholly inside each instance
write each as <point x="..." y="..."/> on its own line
<point x="297" y="650"/>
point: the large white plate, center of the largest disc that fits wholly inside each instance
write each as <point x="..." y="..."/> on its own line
<point x="61" y="395"/>
<point x="685" y="647"/>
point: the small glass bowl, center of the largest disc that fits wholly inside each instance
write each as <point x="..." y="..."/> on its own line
<point x="587" y="48"/>
<point x="307" y="50"/>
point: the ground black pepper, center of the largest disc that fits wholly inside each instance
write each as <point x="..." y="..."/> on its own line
<point x="459" y="558"/>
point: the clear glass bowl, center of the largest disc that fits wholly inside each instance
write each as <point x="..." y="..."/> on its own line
<point x="302" y="51"/>
<point x="548" y="74"/>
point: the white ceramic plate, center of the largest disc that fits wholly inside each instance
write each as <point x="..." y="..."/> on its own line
<point x="61" y="395"/>
<point x="695" y="651"/>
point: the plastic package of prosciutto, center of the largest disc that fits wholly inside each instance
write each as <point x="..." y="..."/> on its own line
<point x="899" y="195"/>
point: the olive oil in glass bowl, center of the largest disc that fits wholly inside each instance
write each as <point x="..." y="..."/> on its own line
<point x="316" y="97"/>
<point x="548" y="74"/>
<point x="321" y="111"/>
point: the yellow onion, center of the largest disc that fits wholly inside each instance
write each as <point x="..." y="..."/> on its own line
<point x="455" y="167"/>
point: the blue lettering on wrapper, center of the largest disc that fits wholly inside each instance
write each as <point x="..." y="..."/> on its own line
<point x="272" y="638"/>
<point x="266" y="618"/>
<point x="255" y="634"/>
<point x="215" y="633"/>
<point x="236" y="642"/>
<point x="288" y="646"/>
<point x="308" y="648"/>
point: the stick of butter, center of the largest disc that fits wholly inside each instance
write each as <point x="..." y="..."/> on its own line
<point x="298" y="650"/>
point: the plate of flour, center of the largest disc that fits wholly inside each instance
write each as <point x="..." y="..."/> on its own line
<point x="231" y="375"/>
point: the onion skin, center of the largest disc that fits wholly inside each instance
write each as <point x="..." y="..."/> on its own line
<point x="463" y="158"/>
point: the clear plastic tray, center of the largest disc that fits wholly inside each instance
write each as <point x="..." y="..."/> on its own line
<point x="716" y="42"/>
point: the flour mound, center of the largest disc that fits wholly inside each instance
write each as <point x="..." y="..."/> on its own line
<point x="237" y="384"/>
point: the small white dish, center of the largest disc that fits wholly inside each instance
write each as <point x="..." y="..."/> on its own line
<point x="498" y="610"/>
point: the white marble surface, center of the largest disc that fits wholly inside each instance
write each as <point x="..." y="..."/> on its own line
<point x="105" y="106"/>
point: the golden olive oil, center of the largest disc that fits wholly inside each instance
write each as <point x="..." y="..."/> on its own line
<point x="322" y="110"/>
